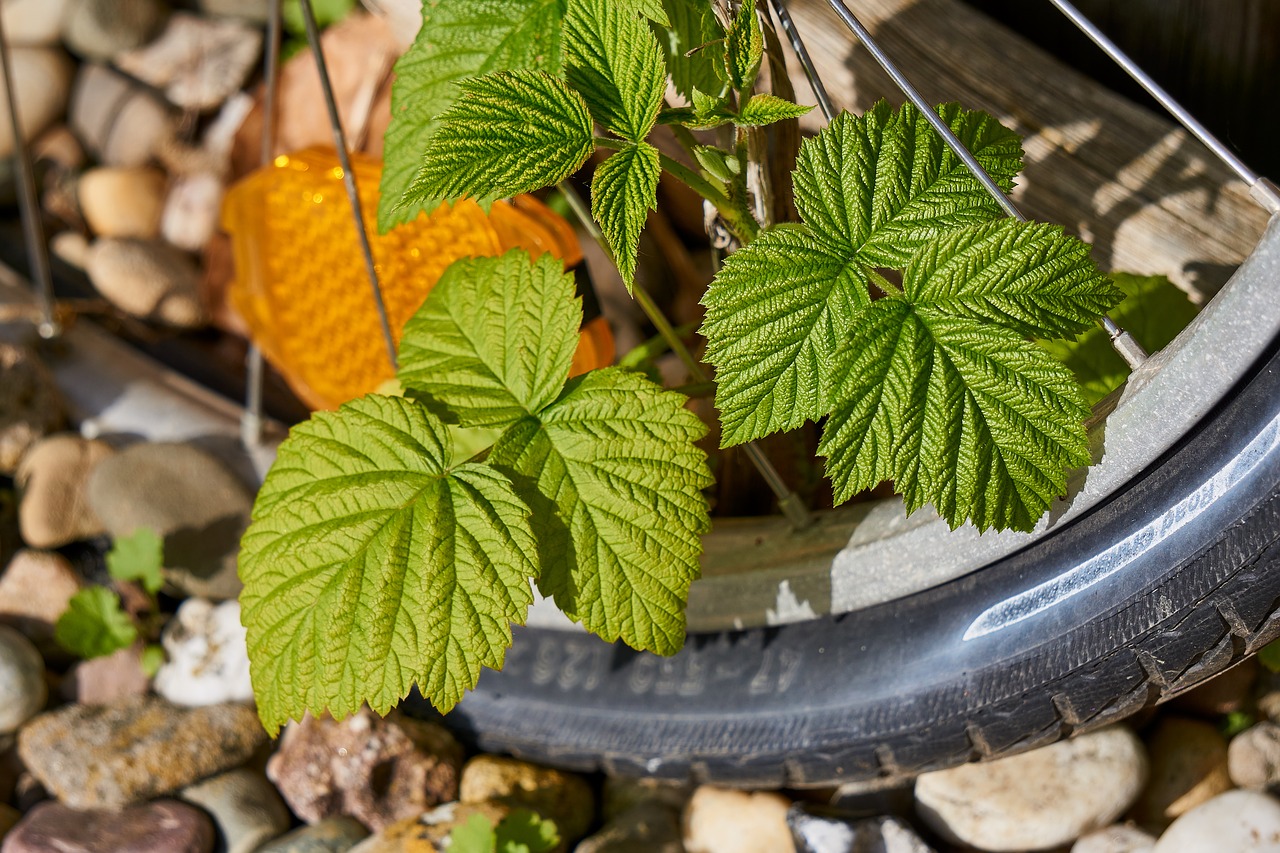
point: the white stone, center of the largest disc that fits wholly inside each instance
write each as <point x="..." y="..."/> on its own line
<point x="1253" y="756"/>
<point x="1038" y="800"/>
<point x="1121" y="838"/>
<point x="207" y="658"/>
<point x="191" y="211"/>
<point x="719" y="820"/>
<point x="37" y="22"/>
<point x="1234" y="822"/>
<point x="41" y="81"/>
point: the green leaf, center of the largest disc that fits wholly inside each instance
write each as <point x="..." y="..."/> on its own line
<point x="693" y="46"/>
<point x="776" y="314"/>
<point x="651" y="9"/>
<point x="495" y="340"/>
<point x="623" y="191"/>
<point x="719" y="164"/>
<point x="152" y="659"/>
<point x="614" y="62"/>
<point x="475" y="835"/>
<point x="1154" y="311"/>
<point x="457" y="41"/>
<point x="140" y="557"/>
<point x="744" y="47"/>
<point x="766" y="109"/>
<point x="615" y="455"/>
<point x="370" y="567"/>
<point x="708" y="111"/>
<point x="880" y="185"/>
<point x="509" y="132"/>
<point x="525" y="831"/>
<point x="94" y="625"/>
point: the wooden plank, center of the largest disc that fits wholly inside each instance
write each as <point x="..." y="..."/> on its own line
<point x="1148" y="196"/>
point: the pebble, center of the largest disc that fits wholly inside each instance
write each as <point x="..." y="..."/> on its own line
<point x="1038" y="800"/>
<point x="35" y="590"/>
<point x="71" y="247"/>
<point x="148" y="279"/>
<point x="34" y="22"/>
<point x="164" y="826"/>
<point x="30" y="407"/>
<point x="427" y="832"/>
<point x="22" y="686"/>
<point x="51" y="479"/>
<point x="331" y="835"/>
<point x="100" y="29"/>
<point x="375" y="769"/>
<point x="720" y="820"/>
<point x="1253" y="756"/>
<point x="563" y="797"/>
<point x="649" y="827"/>
<point x="41" y="80"/>
<point x="818" y="834"/>
<point x="1120" y="838"/>
<point x="246" y="809"/>
<point x="119" y="120"/>
<point x="186" y="496"/>
<point x="1188" y="767"/>
<point x="123" y="201"/>
<point x="107" y="680"/>
<point x="1232" y="822"/>
<point x="208" y="662"/>
<point x="197" y="62"/>
<point x="109" y="756"/>
<point x="191" y="211"/>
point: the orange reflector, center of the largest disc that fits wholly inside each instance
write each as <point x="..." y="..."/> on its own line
<point x="301" y="284"/>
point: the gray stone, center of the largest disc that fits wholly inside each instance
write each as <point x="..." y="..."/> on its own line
<point x="331" y="835"/>
<point x="1253" y="756"/>
<point x="30" y="407"/>
<point x="207" y="659"/>
<point x="147" y="278"/>
<point x="1120" y="838"/>
<point x="563" y="797"/>
<point x="375" y="769"/>
<point x="649" y="827"/>
<point x="22" y="686"/>
<point x="109" y="756"/>
<point x="1038" y="800"/>
<point x="1232" y="822"/>
<point x="35" y="590"/>
<point x="246" y="809"/>
<point x="100" y="29"/>
<point x="720" y="820"/>
<point x="52" y="477"/>
<point x="41" y="82"/>
<point x="164" y="826"/>
<point x="815" y="833"/>
<point x="33" y="22"/>
<point x="188" y="497"/>
<point x="120" y="121"/>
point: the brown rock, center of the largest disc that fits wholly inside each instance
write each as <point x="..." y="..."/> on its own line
<point x="109" y="756"/>
<point x="1226" y="692"/>
<point x="30" y="407"/>
<point x="148" y="279"/>
<point x="427" y="832"/>
<point x="378" y="770"/>
<point x="119" y="201"/>
<point x="52" y="477"/>
<point x="107" y="680"/>
<point x="34" y="591"/>
<point x="1188" y="761"/>
<point x="563" y="797"/>
<point x="164" y="826"/>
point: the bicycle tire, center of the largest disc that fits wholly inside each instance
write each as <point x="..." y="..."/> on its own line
<point x="895" y="689"/>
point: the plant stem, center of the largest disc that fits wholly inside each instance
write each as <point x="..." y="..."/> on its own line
<point x="886" y="287"/>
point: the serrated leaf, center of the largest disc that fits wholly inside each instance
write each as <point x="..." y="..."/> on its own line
<point x="526" y="831"/>
<point x="882" y="184"/>
<point x="1154" y="311"/>
<point x="371" y="567"/>
<point x="693" y="46"/>
<point x="766" y="109"/>
<point x="1028" y="276"/>
<point x="615" y="455"/>
<point x="623" y="191"/>
<point x="138" y="556"/>
<point x="495" y="340"/>
<point x="94" y="625"/>
<point x="653" y="10"/>
<point x="707" y="112"/>
<point x="969" y="417"/>
<point x="776" y="314"/>
<point x="509" y="132"/>
<point x="743" y="48"/>
<point x="614" y="61"/>
<point x="457" y="41"/>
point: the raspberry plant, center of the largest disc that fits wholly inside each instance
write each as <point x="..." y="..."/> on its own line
<point x="900" y="311"/>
